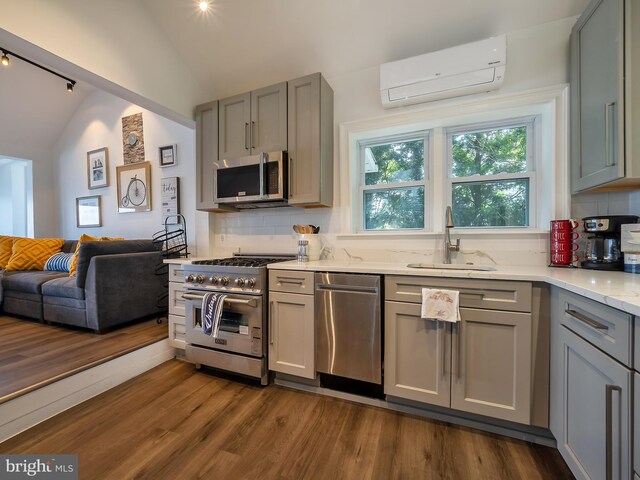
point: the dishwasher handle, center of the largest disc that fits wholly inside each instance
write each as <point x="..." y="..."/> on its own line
<point x="348" y="288"/>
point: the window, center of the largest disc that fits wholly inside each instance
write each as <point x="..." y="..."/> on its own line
<point x="499" y="161"/>
<point x="393" y="182"/>
<point x="490" y="173"/>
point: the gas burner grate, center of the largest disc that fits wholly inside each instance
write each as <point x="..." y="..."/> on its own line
<point x="240" y="261"/>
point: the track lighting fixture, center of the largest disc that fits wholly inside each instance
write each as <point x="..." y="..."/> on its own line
<point x="5" y="61"/>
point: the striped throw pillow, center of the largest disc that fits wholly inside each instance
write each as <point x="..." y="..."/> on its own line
<point x="59" y="262"/>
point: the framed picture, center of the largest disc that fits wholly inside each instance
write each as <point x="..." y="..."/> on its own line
<point x="98" y="168"/>
<point x="88" y="211"/>
<point x="168" y="155"/>
<point x="170" y="196"/>
<point x="134" y="187"/>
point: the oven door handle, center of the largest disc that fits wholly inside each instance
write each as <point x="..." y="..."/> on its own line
<point x="233" y="301"/>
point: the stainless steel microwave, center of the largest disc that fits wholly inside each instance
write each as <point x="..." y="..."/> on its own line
<point x="255" y="180"/>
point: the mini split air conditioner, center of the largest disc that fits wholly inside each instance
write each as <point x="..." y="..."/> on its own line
<point x="462" y="70"/>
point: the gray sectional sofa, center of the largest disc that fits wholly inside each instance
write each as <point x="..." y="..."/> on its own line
<point x="116" y="282"/>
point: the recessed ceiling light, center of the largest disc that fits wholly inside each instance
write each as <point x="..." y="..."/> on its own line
<point x="204" y="6"/>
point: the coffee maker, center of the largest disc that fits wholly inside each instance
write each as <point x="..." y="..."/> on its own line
<point x="602" y="251"/>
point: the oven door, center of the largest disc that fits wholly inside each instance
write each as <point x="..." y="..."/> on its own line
<point x="241" y="324"/>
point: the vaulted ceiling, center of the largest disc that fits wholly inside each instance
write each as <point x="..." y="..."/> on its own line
<point x="243" y="44"/>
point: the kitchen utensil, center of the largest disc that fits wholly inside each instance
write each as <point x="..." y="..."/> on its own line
<point x="303" y="250"/>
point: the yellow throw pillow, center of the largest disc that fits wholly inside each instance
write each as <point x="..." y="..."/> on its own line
<point x="86" y="238"/>
<point x="6" y="248"/>
<point x="32" y="253"/>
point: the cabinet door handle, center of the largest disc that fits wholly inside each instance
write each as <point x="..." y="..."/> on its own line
<point x="609" y="154"/>
<point x="290" y="175"/>
<point x="609" y="431"/>
<point x="253" y="125"/>
<point x="459" y="359"/>
<point x="246" y="129"/>
<point x="443" y="326"/>
<point x="270" y="323"/>
<point x="584" y="319"/>
<point x="300" y="283"/>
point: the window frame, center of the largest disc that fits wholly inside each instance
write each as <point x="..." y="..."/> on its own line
<point x="420" y="134"/>
<point x="531" y="122"/>
<point x="551" y="103"/>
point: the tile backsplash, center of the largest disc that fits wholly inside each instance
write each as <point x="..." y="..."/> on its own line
<point x="626" y="202"/>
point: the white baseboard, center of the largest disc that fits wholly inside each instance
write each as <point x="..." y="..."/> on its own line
<point x="32" y="408"/>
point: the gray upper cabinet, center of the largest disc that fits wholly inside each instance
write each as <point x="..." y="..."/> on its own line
<point x="253" y="122"/>
<point x="604" y="97"/>
<point x="206" y="154"/>
<point x="310" y="118"/>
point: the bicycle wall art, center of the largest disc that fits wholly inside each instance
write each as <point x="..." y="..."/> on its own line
<point x="134" y="187"/>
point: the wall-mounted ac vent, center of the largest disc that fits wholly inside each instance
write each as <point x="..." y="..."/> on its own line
<point x="462" y="70"/>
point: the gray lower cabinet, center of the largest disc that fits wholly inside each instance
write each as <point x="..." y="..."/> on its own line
<point x="253" y="122"/>
<point x="491" y="363"/>
<point x="480" y="365"/>
<point x="310" y="118"/>
<point x="418" y="356"/>
<point x="291" y="323"/>
<point x="636" y="424"/>
<point x="591" y="386"/>
<point x="596" y="423"/>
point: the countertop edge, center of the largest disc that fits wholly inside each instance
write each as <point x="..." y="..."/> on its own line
<point x="617" y="289"/>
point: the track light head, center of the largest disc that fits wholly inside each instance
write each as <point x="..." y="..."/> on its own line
<point x="70" y="86"/>
<point x="5" y="59"/>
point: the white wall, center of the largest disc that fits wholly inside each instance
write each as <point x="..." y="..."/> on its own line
<point x="115" y="40"/>
<point x="536" y="57"/>
<point x="97" y="124"/>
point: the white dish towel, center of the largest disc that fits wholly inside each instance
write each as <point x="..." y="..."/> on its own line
<point x="440" y="304"/>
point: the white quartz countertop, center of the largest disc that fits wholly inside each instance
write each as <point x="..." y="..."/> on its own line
<point x="618" y="289"/>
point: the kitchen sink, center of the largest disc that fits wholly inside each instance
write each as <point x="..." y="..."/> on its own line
<point x="451" y="266"/>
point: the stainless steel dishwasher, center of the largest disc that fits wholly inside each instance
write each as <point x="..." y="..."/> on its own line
<point x="348" y="326"/>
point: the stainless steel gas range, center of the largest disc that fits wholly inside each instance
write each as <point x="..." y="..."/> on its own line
<point x="241" y="344"/>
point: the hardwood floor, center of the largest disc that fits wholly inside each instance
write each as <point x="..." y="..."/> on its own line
<point x="33" y="355"/>
<point x="175" y="422"/>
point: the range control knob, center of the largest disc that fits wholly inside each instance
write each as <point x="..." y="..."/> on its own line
<point x="251" y="282"/>
<point x="200" y="279"/>
<point x="225" y="281"/>
<point x="240" y="282"/>
<point x="190" y="278"/>
<point x="214" y="280"/>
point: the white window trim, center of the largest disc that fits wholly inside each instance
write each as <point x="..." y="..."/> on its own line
<point x="551" y="103"/>
<point x="533" y="160"/>
<point x="417" y="135"/>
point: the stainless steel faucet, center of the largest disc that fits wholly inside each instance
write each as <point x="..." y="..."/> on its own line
<point x="448" y="246"/>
